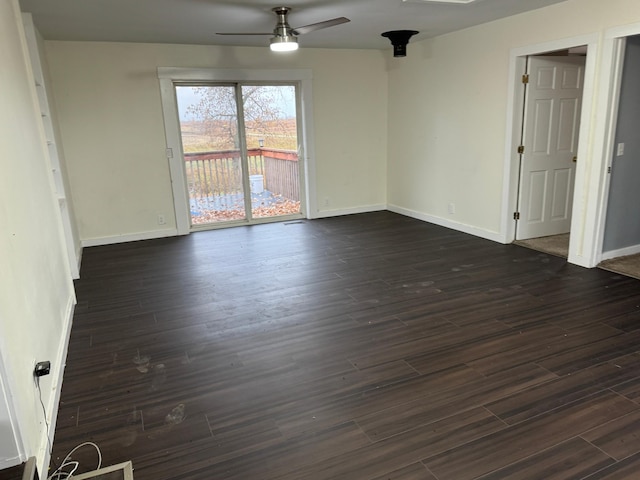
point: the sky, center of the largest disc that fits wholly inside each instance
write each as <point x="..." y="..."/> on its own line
<point x="187" y="96"/>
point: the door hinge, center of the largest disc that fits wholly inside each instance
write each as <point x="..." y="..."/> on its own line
<point x="516" y="215"/>
<point x="608" y="169"/>
<point x="521" y="149"/>
<point x="525" y="78"/>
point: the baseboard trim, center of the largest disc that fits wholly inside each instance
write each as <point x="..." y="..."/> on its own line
<point x="622" y="252"/>
<point x="580" y="261"/>
<point x="10" y="462"/>
<point x="350" y="211"/>
<point x="43" y="457"/>
<point x="79" y="251"/>
<point x="461" y="227"/>
<point x="443" y="222"/>
<point x="133" y="237"/>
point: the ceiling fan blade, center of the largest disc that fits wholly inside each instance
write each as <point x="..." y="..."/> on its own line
<point x="218" y="33"/>
<point x="317" y="26"/>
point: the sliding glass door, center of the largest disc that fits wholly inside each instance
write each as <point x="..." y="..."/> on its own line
<point x="240" y="145"/>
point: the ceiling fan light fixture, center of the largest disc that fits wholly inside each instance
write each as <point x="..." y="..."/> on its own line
<point x="286" y="43"/>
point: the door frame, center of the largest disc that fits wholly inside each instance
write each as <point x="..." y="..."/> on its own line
<point x="170" y="76"/>
<point x="596" y="144"/>
<point x="582" y="201"/>
<point x="614" y="51"/>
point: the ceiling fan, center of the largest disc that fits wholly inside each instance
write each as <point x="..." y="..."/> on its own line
<point x="284" y="37"/>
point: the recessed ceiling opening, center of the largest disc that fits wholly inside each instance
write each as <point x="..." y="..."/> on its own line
<point x="439" y="1"/>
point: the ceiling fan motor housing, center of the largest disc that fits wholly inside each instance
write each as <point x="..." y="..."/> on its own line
<point x="399" y="40"/>
<point x="282" y="29"/>
<point x="284" y="37"/>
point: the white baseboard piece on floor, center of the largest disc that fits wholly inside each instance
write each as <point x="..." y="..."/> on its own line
<point x="30" y="469"/>
<point x="131" y="237"/>
<point x="443" y="222"/>
<point x="622" y="252"/>
<point x="125" y="471"/>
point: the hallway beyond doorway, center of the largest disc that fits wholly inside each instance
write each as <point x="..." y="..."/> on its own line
<point x="557" y="245"/>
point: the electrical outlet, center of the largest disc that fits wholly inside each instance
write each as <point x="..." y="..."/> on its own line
<point x="620" y="151"/>
<point x="41" y="369"/>
<point x="452" y="208"/>
<point x="327" y="202"/>
<point x="161" y="219"/>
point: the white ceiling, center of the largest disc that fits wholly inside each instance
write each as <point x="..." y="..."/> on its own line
<point x="196" y="21"/>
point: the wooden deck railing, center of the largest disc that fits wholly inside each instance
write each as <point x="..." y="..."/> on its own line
<point x="281" y="173"/>
<point x="219" y="173"/>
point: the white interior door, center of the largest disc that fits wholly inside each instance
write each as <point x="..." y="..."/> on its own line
<point x="550" y="139"/>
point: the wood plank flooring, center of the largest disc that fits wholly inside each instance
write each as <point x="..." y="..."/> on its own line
<point x="369" y="346"/>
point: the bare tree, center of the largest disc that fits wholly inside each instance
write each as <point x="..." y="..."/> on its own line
<point x="263" y="107"/>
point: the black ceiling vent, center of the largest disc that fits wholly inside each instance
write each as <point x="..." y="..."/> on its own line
<point x="399" y="40"/>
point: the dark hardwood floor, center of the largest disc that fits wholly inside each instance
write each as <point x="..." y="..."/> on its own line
<point x="370" y="346"/>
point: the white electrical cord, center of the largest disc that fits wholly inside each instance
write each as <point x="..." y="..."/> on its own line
<point x="67" y="462"/>
<point x="58" y="473"/>
<point x="44" y="413"/>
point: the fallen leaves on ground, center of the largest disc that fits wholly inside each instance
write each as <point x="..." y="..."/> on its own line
<point x="283" y="207"/>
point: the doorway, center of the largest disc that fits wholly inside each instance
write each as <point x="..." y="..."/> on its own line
<point x="596" y="138"/>
<point x="300" y="79"/>
<point x="621" y="236"/>
<point x="549" y="144"/>
<point x="551" y="111"/>
<point x="240" y="151"/>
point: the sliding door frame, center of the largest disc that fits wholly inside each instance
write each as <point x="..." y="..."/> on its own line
<point x="169" y="77"/>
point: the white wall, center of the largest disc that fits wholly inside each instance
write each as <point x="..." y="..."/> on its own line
<point x="36" y="292"/>
<point x="448" y="109"/>
<point x="111" y="122"/>
<point x="10" y="441"/>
